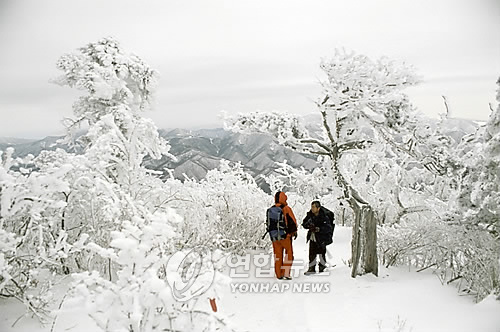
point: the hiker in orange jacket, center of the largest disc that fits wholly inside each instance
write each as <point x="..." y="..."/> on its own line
<point x="283" y="264"/>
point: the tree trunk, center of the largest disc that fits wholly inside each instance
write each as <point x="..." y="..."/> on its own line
<point x="370" y="261"/>
<point x="364" y="239"/>
<point x="343" y="216"/>
<point x="356" y="241"/>
<point x="364" y="233"/>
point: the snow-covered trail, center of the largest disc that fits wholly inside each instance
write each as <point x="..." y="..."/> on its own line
<point x="398" y="300"/>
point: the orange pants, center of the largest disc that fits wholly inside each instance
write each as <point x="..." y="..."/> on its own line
<point x="282" y="265"/>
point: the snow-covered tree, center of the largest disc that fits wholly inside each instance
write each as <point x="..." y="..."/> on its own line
<point x="362" y="104"/>
<point x="112" y="198"/>
<point x="480" y="180"/>
<point x="478" y="200"/>
<point x="111" y="184"/>
<point x="110" y="76"/>
<point x="119" y="87"/>
<point x="459" y="239"/>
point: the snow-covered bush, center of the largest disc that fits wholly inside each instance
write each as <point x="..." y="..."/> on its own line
<point x="8" y="250"/>
<point x="31" y="211"/>
<point x="456" y="253"/>
<point x="240" y="207"/>
<point x="140" y="296"/>
<point x="225" y="210"/>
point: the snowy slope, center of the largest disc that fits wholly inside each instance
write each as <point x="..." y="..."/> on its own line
<point x="399" y="300"/>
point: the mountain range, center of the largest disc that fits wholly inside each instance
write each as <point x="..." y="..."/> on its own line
<point x="197" y="152"/>
<point x="201" y="150"/>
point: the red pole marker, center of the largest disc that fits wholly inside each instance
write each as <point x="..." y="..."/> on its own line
<point x="213" y="304"/>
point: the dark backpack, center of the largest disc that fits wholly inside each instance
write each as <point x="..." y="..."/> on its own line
<point x="331" y="218"/>
<point x="276" y="225"/>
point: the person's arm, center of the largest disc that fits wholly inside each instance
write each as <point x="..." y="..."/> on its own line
<point x="307" y="222"/>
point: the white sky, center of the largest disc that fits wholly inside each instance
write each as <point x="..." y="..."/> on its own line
<point x="245" y="55"/>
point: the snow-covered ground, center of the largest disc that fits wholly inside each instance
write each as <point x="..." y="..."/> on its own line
<point x="398" y="300"/>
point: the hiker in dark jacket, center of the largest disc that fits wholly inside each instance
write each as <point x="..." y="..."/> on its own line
<point x="319" y="222"/>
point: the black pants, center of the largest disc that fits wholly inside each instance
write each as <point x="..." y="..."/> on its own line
<point x="314" y="250"/>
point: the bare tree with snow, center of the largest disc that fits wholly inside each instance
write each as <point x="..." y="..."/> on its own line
<point x="362" y="104"/>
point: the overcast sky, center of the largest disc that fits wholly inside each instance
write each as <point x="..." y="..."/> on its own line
<point x="245" y="55"/>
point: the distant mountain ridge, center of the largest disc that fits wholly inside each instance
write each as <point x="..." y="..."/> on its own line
<point x="13" y="140"/>
<point x="199" y="151"/>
